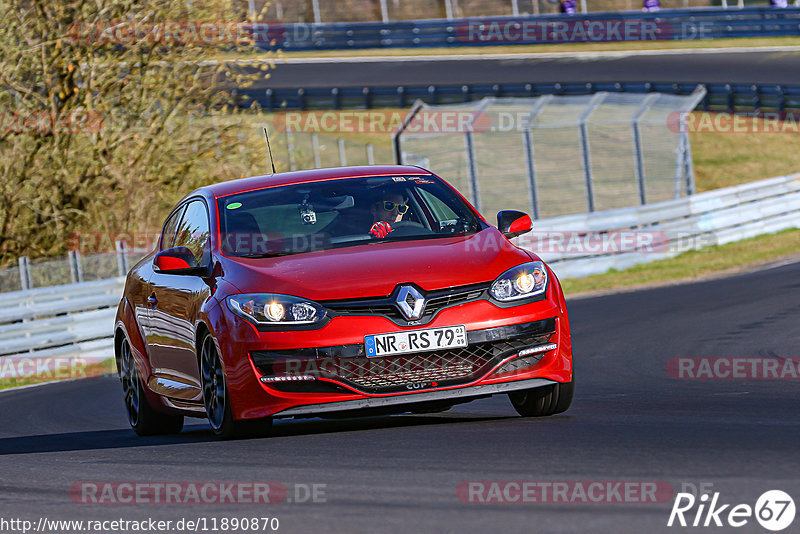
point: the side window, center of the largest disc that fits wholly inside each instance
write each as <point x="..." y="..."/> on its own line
<point x="440" y="210"/>
<point x="168" y="236"/>
<point x="193" y="232"/>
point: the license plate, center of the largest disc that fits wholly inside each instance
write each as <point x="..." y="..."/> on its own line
<point x="416" y="341"/>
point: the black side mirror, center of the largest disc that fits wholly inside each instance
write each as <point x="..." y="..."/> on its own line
<point x="513" y="223"/>
<point x="177" y="260"/>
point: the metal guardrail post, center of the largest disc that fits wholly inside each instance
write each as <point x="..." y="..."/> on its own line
<point x="472" y="170"/>
<point x="595" y="101"/>
<point x="370" y="154"/>
<point x="527" y="137"/>
<point x="342" y="155"/>
<point x="637" y="144"/>
<point x="290" y="148"/>
<point x="315" y="150"/>
<point x="122" y="259"/>
<point x="25" y="273"/>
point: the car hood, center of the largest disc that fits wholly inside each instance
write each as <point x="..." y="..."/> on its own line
<point x="375" y="269"/>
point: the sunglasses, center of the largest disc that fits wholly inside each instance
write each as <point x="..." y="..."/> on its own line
<point x="390" y="206"/>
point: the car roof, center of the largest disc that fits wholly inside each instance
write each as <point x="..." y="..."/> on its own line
<point x="241" y="185"/>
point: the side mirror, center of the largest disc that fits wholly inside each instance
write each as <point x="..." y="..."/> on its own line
<point x="513" y="223"/>
<point x="177" y="260"/>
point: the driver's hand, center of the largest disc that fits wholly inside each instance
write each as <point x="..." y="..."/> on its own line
<point x="380" y="229"/>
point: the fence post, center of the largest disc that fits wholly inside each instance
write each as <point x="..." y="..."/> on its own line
<point x="679" y="167"/>
<point x="25" y="273"/>
<point x="637" y="144"/>
<point x="448" y="9"/>
<point x="687" y="163"/>
<point x="75" y="269"/>
<point x="398" y="151"/>
<point x="315" y="7"/>
<point x="527" y="136"/>
<point x="290" y="148"/>
<point x="315" y="150"/>
<point x="122" y="260"/>
<point x="370" y="154"/>
<point x="342" y="155"/>
<point x="595" y="101"/>
<point x="384" y="12"/>
<point x="472" y="170"/>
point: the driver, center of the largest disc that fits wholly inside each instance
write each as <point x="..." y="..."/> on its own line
<point x="389" y="209"/>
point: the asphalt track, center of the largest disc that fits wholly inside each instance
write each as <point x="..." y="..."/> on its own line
<point x="629" y="422"/>
<point x="713" y="67"/>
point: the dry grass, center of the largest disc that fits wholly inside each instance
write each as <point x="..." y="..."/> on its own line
<point x="62" y="373"/>
<point x="694" y="264"/>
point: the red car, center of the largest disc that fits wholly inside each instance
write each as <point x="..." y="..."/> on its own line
<point x="346" y="291"/>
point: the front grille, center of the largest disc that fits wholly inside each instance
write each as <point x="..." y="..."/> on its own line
<point x="403" y="372"/>
<point x="423" y="369"/>
<point x="435" y="301"/>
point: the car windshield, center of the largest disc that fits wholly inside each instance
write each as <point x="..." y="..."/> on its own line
<point x="338" y="213"/>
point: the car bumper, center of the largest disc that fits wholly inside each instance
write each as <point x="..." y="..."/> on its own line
<point x="500" y="334"/>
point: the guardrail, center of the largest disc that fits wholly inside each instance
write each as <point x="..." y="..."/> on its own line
<point x="46" y="328"/>
<point x="592" y="243"/>
<point x="72" y="323"/>
<point x="671" y="24"/>
<point x="719" y="97"/>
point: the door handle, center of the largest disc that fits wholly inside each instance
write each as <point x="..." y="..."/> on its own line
<point x="152" y="300"/>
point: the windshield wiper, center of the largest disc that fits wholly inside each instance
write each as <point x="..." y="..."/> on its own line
<point x="266" y="255"/>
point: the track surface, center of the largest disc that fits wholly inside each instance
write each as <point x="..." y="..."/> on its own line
<point x="691" y="67"/>
<point x="629" y="421"/>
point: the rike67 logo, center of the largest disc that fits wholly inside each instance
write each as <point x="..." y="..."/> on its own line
<point x="774" y="510"/>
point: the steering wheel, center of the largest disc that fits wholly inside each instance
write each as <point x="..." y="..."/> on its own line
<point x="408" y="228"/>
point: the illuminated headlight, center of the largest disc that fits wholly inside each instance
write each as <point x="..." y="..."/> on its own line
<point x="267" y="308"/>
<point x="522" y="281"/>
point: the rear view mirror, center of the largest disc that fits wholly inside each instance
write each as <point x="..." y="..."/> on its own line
<point x="176" y="260"/>
<point x="513" y="223"/>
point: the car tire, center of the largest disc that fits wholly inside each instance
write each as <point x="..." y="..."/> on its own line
<point x="144" y="420"/>
<point x="217" y="400"/>
<point x="543" y="401"/>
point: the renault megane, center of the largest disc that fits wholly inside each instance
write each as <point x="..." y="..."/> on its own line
<point x="330" y="292"/>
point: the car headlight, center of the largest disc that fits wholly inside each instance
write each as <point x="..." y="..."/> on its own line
<point x="522" y="281"/>
<point x="269" y="308"/>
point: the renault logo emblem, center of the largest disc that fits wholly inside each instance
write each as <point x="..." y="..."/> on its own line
<point x="411" y="302"/>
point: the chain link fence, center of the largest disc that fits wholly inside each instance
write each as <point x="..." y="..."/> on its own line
<point x="72" y="268"/>
<point x="556" y="155"/>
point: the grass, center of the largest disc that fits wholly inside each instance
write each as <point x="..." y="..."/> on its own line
<point x="62" y="373"/>
<point x="694" y="264"/>
<point x="614" y="46"/>
<point x="725" y="159"/>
